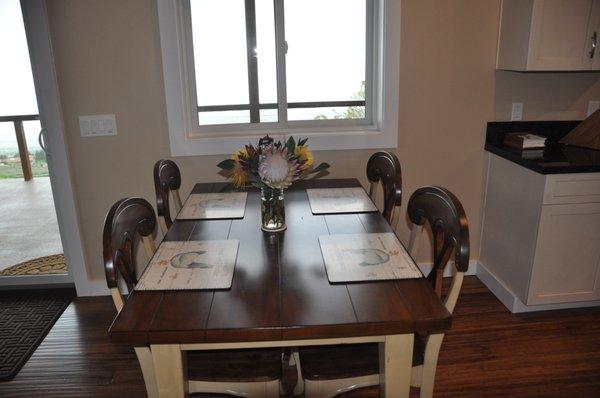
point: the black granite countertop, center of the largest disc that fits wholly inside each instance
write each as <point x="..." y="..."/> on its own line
<point x="554" y="159"/>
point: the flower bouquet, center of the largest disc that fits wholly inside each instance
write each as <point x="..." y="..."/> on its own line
<point x="271" y="166"/>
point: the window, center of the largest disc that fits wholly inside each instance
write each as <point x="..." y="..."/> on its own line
<point x="239" y="68"/>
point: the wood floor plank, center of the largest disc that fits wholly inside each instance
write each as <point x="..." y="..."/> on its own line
<point x="488" y="353"/>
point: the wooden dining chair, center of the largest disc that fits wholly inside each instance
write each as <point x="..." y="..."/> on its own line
<point x="167" y="180"/>
<point x="384" y="167"/>
<point x="331" y="370"/>
<point x="248" y="373"/>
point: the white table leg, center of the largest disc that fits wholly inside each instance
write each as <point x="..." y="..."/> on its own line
<point x="170" y="370"/>
<point x="395" y="364"/>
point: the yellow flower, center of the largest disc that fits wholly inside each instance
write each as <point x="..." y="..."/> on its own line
<point x="238" y="175"/>
<point x="240" y="153"/>
<point x="305" y="157"/>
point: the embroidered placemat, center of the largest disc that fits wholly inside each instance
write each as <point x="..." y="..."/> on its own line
<point x="191" y="265"/>
<point x="366" y="257"/>
<point x="203" y="206"/>
<point x="339" y="200"/>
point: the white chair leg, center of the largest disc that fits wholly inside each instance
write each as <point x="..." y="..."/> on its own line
<point x="416" y="376"/>
<point x="432" y="351"/>
<point x="299" y="387"/>
<point x="163" y="225"/>
<point x="144" y="357"/>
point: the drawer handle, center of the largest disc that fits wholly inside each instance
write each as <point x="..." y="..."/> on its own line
<point x="594" y="43"/>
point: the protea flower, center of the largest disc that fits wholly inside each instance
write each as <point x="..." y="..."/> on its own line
<point x="276" y="168"/>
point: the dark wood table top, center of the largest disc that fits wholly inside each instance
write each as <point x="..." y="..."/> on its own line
<point x="280" y="289"/>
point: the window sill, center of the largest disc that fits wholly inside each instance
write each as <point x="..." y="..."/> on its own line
<point x="227" y="143"/>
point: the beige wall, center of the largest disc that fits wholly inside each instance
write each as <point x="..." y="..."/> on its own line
<point x="546" y="96"/>
<point x="107" y="55"/>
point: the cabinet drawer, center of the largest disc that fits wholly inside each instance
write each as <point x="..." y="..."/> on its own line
<point x="572" y="188"/>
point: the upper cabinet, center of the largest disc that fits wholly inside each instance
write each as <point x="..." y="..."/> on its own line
<point x="549" y="35"/>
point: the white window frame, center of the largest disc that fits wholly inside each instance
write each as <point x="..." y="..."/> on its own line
<point x="187" y="138"/>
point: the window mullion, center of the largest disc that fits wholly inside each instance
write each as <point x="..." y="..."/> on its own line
<point x="371" y="58"/>
<point x="280" y="52"/>
<point x="252" y="61"/>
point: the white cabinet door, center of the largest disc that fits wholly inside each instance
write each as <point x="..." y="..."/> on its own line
<point x="562" y="34"/>
<point x="567" y="258"/>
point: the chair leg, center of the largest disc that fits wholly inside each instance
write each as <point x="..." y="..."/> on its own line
<point x="299" y="387"/>
<point x="432" y="351"/>
<point x="416" y="376"/>
<point x="163" y="225"/>
<point x="144" y="357"/>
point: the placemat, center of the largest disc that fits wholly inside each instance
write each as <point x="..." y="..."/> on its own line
<point x="191" y="265"/>
<point x="203" y="206"/>
<point x="339" y="200"/>
<point x="366" y="257"/>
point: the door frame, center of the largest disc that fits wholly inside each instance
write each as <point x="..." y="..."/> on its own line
<point x="51" y="119"/>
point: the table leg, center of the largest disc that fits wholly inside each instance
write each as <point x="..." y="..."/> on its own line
<point x="171" y="370"/>
<point x="395" y="365"/>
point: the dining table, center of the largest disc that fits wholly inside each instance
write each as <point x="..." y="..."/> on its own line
<point x="281" y="297"/>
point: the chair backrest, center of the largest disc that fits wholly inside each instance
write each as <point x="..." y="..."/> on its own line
<point x="126" y="218"/>
<point x="384" y="167"/>
<point x="446" y="217"/>
<point x="167" y="178"/>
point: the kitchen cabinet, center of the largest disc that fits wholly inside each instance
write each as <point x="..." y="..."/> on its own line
<point x="567" y="255"/>
<point x="541" y="234"/>
<point x="549" y="35"/>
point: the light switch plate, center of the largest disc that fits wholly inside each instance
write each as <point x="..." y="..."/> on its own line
<point x="97" y="125"/>
<point x="592" y="107"/>
<point x="517" y="111"/>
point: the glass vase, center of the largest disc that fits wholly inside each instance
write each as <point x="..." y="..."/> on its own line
<point x="272" y="209"/>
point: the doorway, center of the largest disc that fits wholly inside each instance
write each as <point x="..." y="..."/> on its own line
<point x="52" y="194"/>
<point x="31" y="243"/>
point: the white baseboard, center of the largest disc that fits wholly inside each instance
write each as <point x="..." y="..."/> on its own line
<point x="513" y="303"/>
<point x="449" y="271"/>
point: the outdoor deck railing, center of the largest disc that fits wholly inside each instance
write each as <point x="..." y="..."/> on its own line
<point x="22" y="141"/>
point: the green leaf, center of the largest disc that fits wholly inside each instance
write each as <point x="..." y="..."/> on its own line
<point x="322" y="167"/>
<point x="302" y="142"/>
<point x="226" y="164"/>
<point x="291" y="145"/>
<point x="320" y="174"/>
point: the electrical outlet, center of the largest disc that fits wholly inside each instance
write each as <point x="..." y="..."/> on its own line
<point x="517" y="111"/>
<point x="97" y="125"/>
<point x="592" y="107"/>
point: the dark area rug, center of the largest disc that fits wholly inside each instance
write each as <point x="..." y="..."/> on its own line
<point x="26" y="316"/>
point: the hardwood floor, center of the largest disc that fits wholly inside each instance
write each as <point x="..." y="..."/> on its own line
<point x="488" y="353"/>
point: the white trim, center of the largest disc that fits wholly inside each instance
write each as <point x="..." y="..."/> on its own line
<point x="513" y="303"/>
<point x="185" y="141"/>
<point x="35" y="280"/>
<point x="44" y="74"/>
